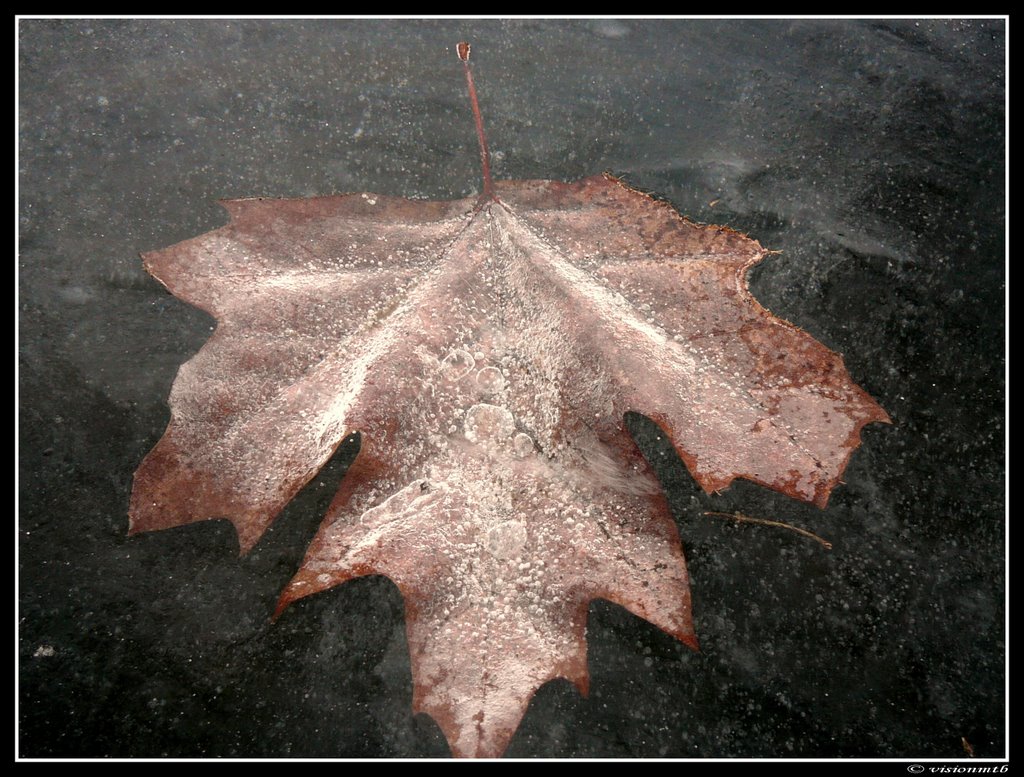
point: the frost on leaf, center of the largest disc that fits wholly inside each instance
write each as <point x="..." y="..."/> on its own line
<point x="487" y="351"/>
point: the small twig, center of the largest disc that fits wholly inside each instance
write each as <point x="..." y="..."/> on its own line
<point x="765" y="522"/>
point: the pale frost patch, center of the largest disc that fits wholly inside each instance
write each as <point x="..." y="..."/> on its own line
<point x="507" y="540"/>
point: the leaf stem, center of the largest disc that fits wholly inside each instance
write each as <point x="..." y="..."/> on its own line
<point x="485" y="156"/>
<point x="765" y="522"/>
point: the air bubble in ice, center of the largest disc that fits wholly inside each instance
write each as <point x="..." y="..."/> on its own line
<point x="490" y="380"/>
<point x="488" y="423"/>
<point x="457" y="365"/>
<point x="522" y="445"/>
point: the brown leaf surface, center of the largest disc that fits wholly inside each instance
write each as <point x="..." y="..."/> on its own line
<point x="486" y="351"/>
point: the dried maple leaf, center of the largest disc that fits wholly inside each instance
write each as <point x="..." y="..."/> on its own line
<point x="487" y="350"/>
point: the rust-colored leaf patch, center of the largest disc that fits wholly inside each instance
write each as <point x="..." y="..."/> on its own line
<point x="486" y="350"/>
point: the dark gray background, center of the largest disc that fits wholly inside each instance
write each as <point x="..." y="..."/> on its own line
<point x="870" y="153"/>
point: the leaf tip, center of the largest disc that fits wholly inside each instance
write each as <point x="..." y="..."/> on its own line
<point x="462" y="49"/>
<point x="582" y="683"/>
<point x="686" y="633"/>
<point x="279" y="608"/>
<point x="249" y="534"/>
